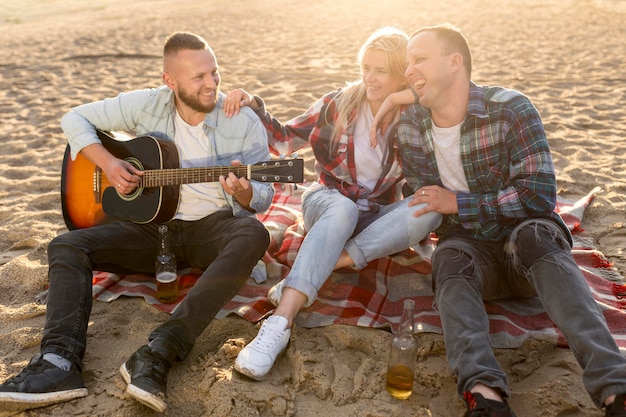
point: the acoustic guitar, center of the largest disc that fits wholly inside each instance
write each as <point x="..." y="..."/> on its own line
<point x="89" y="199"/>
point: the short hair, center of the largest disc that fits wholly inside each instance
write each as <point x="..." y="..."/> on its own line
<point x="178" y="41"/>
<point x="453" y="41"/>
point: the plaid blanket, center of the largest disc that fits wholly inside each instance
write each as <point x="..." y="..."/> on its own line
<point x="373" y="297"/>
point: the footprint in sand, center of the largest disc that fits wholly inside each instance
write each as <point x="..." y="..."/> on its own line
<point x="15" y="251"/>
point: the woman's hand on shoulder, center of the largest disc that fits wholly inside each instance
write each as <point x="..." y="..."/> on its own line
<point x="387" y="112"/>
<point x="236" y="99"/>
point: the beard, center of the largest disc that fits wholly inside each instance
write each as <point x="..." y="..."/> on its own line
<point x="193" y="102"/>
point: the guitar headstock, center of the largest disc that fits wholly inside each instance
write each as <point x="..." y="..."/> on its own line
<point x="278" y="170"/>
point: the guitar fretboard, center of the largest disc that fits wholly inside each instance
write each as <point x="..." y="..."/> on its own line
<point x="163" y="177"/>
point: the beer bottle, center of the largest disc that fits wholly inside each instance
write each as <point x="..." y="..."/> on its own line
<point x="165" y="269"/>
<point x="403" y="356"/>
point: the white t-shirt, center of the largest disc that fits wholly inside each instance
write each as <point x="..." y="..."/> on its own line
<point x="201" y="199"/>
<point x="369" y="161"/>
<point x="448" y="154"/>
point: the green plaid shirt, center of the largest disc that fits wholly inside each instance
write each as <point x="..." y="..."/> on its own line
<point x="506" y="160"/>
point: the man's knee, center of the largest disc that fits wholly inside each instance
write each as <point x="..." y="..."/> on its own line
<point x="63" y="247"/>
<point x="534" y="240"/>
<point x="450" y="261"/>
<point x="257" y="232"/>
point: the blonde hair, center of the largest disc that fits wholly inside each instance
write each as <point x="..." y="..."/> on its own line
<point x="388" y="39"/>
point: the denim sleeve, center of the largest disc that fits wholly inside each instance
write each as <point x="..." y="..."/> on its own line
<point x="255" y="150"/>
<point x="113" y="114"/>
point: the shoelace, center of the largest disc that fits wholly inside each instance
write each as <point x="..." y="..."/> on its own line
<point x="31" y="368"/>
<point x="155" y="367"/>
<point x="266" y="340"/>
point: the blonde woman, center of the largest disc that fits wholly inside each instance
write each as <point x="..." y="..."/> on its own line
<point x="353" y="213"/>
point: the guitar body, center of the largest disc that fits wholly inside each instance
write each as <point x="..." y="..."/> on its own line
<point x="89" y="199"/>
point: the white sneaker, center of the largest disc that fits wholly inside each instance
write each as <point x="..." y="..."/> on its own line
<point x="257" y="358"/>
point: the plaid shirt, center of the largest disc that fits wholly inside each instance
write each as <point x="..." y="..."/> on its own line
<point x="336" y="166"/>
<point x="505" y="157"/>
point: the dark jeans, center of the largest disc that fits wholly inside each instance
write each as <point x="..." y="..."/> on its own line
<point x="535" y="260"/>
<point x="225" y="247"/>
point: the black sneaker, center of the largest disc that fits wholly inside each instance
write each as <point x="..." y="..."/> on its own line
<point x="618" y="408"/>
<point x="479" y="406"/>
<point x="145" y="372"/>
<point x="40" y="384"/>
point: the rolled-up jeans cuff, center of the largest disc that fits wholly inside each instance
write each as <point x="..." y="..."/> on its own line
<point x="303" y="286"/>
<point x="356" y="254"/>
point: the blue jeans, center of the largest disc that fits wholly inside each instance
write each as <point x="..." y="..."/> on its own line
<point x="333" y="222"/>
<point x="225" y="247"/>
<point x="535" y="260"/>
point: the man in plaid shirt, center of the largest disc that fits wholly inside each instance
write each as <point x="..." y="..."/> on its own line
<point x="479" y="156"/>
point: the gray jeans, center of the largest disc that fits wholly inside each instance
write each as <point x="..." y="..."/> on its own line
<point x="535" y="260"/>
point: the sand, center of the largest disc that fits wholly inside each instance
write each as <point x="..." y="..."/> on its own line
<point x="567" y="55"/>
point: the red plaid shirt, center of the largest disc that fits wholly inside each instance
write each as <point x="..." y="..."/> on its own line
<point x="336" y="169"/>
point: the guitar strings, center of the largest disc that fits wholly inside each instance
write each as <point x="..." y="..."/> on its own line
<point x="173" y="176"/>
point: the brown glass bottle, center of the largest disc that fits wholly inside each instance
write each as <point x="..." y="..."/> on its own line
<point x="403" y="356"/>
<point x="165" y="269"/>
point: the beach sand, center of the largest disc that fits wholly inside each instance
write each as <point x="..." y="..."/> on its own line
<point x="566" y="55"/>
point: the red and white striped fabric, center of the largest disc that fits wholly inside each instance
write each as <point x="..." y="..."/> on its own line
<point x="373" y="297"/>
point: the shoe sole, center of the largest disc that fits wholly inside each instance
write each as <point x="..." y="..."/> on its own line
<point x="251" y="374"/>
<point x="140" y="395"/>
<point x="19" y="401"/>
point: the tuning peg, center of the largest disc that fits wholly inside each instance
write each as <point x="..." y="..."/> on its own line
<point x="281" y="156"/>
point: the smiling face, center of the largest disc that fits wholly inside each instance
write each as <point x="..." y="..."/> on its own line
<point x="378" y="78"/>
<point x="194" y="77"/>
<point x="429" y="69"/>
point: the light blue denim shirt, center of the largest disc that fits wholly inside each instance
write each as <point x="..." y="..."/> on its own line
<point x="151" y="112"/>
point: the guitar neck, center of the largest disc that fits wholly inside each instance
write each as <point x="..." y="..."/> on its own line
<point x="177" y="176"/>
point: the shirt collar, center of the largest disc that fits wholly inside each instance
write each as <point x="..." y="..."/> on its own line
<point x="476" y="106"/>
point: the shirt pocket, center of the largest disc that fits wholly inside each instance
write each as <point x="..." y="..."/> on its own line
<point x="225" y="159"/>
<point x="229" y="148"/>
